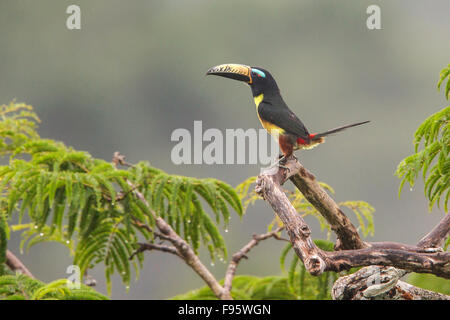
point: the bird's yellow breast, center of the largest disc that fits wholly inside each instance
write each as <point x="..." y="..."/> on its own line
<point x="258" y="99"/>
<point x="274" y="130"/>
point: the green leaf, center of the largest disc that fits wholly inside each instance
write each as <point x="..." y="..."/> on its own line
<point x="432" y="159"/>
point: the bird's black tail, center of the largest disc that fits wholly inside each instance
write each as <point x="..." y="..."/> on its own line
<point x="335" y="130"/>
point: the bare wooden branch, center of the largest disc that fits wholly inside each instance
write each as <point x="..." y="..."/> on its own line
<point x="436" y="263"/>
<point x="16" y="265"/>
<point x="299" y="233"/>
<point x="348" y="236"/>
<point x="437" y="236"/>
<point x="156" y="233"/>
<point x="316" y="260"/>
<point x="401" y="246"/>
<point x="242" y="253"/>
<point x="184" y="250"/>
<point x="191" y="259"/>
<point x="154" y="246"/>
<point x="353" y="251"/>
<point x="352" y="286"/>
<point x="380" y="283"/>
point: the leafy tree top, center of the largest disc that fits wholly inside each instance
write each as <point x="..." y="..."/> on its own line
<point x="431" y="157"/>
<point x="90" y="206"/>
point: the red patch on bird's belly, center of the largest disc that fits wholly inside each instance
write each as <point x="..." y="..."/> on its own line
<point x="286" y="145"/>
<point x="300" y="141"/>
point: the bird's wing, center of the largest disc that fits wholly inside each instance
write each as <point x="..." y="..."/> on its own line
<point x="283" y="118"/>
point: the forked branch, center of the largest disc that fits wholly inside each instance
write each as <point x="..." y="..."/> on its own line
<point x="179" y="247"/>
<point x="316" y="261"/>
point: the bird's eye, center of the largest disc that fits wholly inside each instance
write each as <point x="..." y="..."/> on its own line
<point x="259" y="73"/>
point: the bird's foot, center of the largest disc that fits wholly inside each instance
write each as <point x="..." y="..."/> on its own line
<point x="281" y="163"/>
<point x="282" y="160"/>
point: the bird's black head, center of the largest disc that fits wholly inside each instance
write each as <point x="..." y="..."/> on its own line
<point x="260" y="80"/>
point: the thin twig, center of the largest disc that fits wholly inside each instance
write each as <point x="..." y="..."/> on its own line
<point x="242" y="253"/>
<point x="153" y="246"/>
<point x="437" y="236"/>
<point x="185" y="251"/>
<point x="156" y="233"/>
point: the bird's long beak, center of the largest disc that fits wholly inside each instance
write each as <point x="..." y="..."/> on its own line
<point x="233" y="71"/>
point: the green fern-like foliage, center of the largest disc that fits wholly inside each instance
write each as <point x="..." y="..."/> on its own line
<point x="300" y="282"/>
<point x="445" y="75"/>
<point x="430" y="282"/>
<point x="3" y="243"/>
<point x="246" y="287"/>
<point x="362" y="210"/>
<point x="294" y="284"/>
<point x="22" y="287"/>
<point x="90" y="206"/>
<point x="433" y="158"/>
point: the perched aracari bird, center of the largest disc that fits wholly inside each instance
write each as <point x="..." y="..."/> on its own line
<point x="274" y="114"/>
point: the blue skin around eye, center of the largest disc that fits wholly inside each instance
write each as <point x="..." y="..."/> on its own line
<point x="262" y="74"/>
